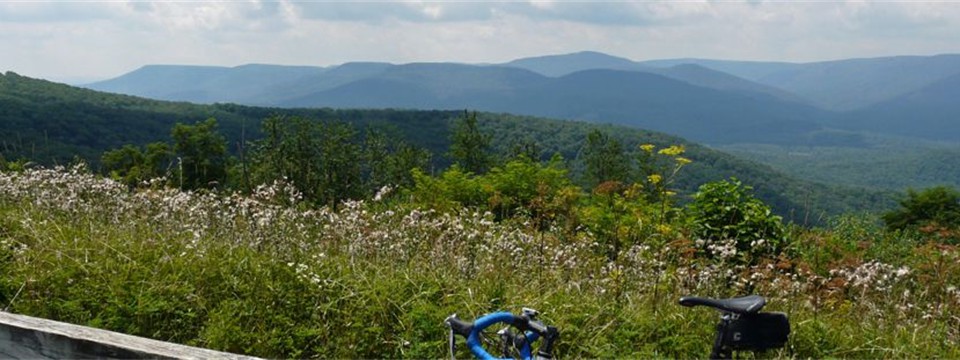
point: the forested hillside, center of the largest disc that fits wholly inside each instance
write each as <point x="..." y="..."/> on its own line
<point x="51" y="123"/>
<point x="41" y="121"/>
<point x="883" y="162"/>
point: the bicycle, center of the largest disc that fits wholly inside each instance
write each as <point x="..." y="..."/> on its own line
<point x="530" y="330"/>
<point x="742" y="326"/>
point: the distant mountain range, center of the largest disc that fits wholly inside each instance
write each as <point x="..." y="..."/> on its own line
<point x="842" y="84"/>
<point x="50" y="123"/>
<point x="712" y="101"/>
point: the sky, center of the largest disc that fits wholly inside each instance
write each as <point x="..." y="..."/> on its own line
<point x="78" y="41"/>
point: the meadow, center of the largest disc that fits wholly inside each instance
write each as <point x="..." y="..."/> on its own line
<point x="266" y="274"/>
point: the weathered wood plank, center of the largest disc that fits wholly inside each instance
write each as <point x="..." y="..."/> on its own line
<point x="24" y="337"/>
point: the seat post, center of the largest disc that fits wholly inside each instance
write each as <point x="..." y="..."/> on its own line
<point x="719" y="352"/>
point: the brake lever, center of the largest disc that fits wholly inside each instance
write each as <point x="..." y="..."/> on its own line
<point x="453" y="345"/>
<point x="452" y="340"/>
<point x="506" y="340"/>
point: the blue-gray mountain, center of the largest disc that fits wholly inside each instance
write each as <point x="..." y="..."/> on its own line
<point x="713" y="101"/>
<point x="932" y="112"/>
<point x="842" y="84"/>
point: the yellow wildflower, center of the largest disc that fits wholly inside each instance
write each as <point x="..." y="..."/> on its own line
<point x="664" y="229"/>
<point x="673" y="150"/>
<point x="654" y="178"/>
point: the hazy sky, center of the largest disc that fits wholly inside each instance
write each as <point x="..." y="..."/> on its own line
<point x="81" y="40"/>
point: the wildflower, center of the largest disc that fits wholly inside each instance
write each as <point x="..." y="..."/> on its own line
<point x="654" y="178"/>
<point x="664" y="229"/>
<point x="673" y="150"/>
<point x="903" y="271"/>
<point x="383" y="192"/>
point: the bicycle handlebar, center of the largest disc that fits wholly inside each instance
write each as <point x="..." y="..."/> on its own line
<point x="531" y="330"/>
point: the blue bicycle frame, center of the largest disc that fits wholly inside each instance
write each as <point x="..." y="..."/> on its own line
<point x="531" y="331"/>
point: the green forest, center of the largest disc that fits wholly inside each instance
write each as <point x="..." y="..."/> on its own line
<point x="880" y="162"/>
<point x="319" y="233"/>
<point x="47" y="123"/>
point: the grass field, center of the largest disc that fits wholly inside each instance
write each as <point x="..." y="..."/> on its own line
<point x="266" y="275"/>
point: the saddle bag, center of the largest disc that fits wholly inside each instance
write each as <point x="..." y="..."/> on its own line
<point x="757" y="332"/>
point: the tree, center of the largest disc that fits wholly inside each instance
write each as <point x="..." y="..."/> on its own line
<point x="401" y="163"/>
<point x="132" y="166"/>
<point x="376" y="159"/>
<point x="289" y="151"/>
<point x="939" y="206"/>
<point x="202" y="155"/>
<point x="301" y="154"/>
<point x="604" y="159"/>
<point x="339" y="163"/>
<point x="387" y="161"/>
<point x="526" y="147"/>
<point x="469" y="147"/>
<point x="157" y="160"/>
<point x="123" y="164"/>
<point x="267" y="156"/>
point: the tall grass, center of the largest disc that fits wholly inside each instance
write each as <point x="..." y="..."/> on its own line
<point x="266" y="276"/>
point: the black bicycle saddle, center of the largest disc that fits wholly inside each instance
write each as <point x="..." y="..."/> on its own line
<point x="739" y="305"/>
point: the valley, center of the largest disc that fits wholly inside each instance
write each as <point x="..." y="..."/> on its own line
<point x="886" y="123"/>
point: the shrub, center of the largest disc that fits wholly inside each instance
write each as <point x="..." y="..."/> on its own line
<point x="726" y="210"/>
<point x="542" y="191"/>
<point x="934" y="211"/>
<point x="454" y="188"/>
<point x="523" y="186"/>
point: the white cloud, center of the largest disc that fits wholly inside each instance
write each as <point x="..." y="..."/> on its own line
<point x="215" y="16"/>
<point x="104" y="39"/>
<point x="51" y="12"/>
<point x="376" y="12"/>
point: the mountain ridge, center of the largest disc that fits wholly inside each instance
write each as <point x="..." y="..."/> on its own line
<point x="830" y="94"/>
<point x="639" y="99"/>
<point x="565" y="64"/>
<point x="500" y="88"/>
<point x="933" y="111"/>
<point x="841" y="85"/>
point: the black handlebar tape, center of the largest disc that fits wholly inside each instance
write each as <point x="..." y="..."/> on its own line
<point x="538" y="327"/>
<point x="521" y="322"/>
<point x="549" y="337"/>
<point x="459" y="327"/>
<point x="524" y="323"/>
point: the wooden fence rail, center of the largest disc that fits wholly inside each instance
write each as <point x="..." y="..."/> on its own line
<point x="24" y="337"/>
